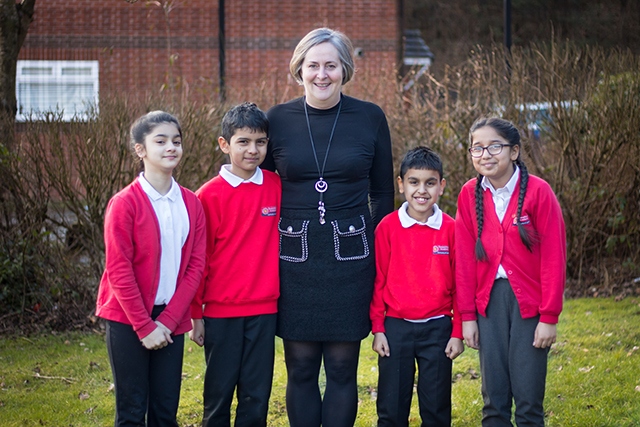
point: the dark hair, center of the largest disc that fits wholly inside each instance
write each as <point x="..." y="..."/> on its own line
<point x="245" y="115"/>
<point x="421" y="158"/>
<point x="508" y="131"/>
<point x="144" y="125"/>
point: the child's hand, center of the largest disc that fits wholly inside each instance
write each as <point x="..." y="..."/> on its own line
<point x="167" y="332"/>
<point x="197" y="333"/>
<point x="155" y="340"/>
<point x="380" y="344"/>
<point x="545" y="335"/>
<point x="470" y="334"/>
<point x="454" y="348"/>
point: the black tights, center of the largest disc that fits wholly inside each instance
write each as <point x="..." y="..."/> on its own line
<point x="305" y="406"/>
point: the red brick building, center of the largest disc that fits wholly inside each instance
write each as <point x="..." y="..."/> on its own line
<point x="141" y="45"/>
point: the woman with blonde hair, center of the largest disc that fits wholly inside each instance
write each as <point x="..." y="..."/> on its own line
<point x="333" y="154"/>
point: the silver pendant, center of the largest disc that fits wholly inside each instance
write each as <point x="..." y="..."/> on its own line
<point x="321" y="210"/>
<point x="321" y="185"/>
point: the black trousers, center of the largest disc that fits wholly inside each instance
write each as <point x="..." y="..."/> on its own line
<point x="513" y="370"/>
<point x="409" y="343"/>
<point x="147" y="382"/>
<point x="239" y="353"/>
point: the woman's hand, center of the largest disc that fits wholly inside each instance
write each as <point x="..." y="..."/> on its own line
<point x="545" y="335"/>
<point x="470" y="334"/>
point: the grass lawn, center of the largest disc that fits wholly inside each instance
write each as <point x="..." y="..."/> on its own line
<point x="593" y="380"/>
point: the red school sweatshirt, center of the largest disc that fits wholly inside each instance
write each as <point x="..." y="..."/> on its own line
<point x="414" y="273"/>
<point x="241" y="273"/>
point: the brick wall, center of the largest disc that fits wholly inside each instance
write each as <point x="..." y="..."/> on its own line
<point x="134" y="42"/>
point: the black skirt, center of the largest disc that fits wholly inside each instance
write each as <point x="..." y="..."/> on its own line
<point x="326" y="275"/>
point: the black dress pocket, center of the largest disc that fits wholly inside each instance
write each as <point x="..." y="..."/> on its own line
<point x="350" y="239"/>
<point x="294" y="246"/>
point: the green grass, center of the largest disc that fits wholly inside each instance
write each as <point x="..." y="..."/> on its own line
<point x="593" y="380"/>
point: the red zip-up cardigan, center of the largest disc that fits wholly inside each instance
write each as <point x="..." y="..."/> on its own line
<point x="537" y="278"/>
<point x="132" y="267"/>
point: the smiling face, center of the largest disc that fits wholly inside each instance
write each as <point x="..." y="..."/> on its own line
<point x="497" y="168"/>
<point x="162" y="149"/>
<point x="247" y="150"/>
<point x="421" y="188"/>
<point x="322" y="76"/>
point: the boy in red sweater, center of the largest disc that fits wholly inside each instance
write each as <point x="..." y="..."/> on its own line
<point x="414" y="298"/>
<point x="234" y="310"/>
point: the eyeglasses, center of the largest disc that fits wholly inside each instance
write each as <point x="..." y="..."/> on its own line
<point x="493" y="149"/>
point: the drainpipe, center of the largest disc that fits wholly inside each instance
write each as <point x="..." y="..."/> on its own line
<point x="400" y="36"/>
<point x="221" y="50"/>
<point x="507" y="25"/>
<point x="507" y="36"/>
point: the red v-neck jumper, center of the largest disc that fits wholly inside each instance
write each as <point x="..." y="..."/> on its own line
<point x="132" y="266"/>
<point x="537" y="278"/>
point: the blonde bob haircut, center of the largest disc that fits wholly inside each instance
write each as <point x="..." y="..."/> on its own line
<point x="322" y="35"/>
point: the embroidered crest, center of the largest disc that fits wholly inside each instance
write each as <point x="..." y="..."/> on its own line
<point x="269" y="211"/>
<point x="440" y="250"/>
<point x="524" y="219"/>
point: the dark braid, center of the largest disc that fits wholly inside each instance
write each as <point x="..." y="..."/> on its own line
<point x="526" y="238"/>
<point x="481" y="255"/>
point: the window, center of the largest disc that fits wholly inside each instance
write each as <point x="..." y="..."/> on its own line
<point x="66" y="87"/>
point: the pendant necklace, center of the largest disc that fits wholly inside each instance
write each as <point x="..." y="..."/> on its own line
<point x="321" y="185"/>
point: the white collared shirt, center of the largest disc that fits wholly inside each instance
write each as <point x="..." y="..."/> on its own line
<point x="435" y="222"/>
<point x="173" y="220"/>
<point x="501" y="198"/>
<point x="235" y="180"/>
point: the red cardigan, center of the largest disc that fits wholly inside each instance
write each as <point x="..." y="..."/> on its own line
<point x="537" y="277"/>
<point x="414" y="273"/>
<point x="241" y="276"/>
<point x="132" y="266"/>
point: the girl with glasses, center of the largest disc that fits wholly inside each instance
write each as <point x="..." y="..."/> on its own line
<point x="510" y="273"/>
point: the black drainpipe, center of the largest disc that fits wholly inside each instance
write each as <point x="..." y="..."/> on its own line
<point x="507" y="25"/>
<point x="507" y="36"/>
<point x="221" y="50"/>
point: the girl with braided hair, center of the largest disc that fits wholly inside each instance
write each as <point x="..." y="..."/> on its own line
<point x="510" y="273"/>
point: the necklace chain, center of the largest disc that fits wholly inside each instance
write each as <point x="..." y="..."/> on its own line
<point x="321" y="185"/>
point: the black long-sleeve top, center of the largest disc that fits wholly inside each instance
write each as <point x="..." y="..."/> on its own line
<point x="359" y="167"/>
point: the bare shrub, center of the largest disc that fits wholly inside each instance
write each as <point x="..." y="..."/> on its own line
<point x="58" y="179"/>
<point x="586" y="147"/>
<point x="589" y="151"/>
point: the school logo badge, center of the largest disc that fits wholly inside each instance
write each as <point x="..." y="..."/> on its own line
<point x="269" y="211"/>
<point x="440" y="250"/>
<point x="524" y="219"/>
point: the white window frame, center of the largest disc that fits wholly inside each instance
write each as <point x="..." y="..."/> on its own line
<point x="63" y="78"/>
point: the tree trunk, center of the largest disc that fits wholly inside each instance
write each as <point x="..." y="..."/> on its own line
<point x="14" y="22"/>
<point x="15" y="19"/>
